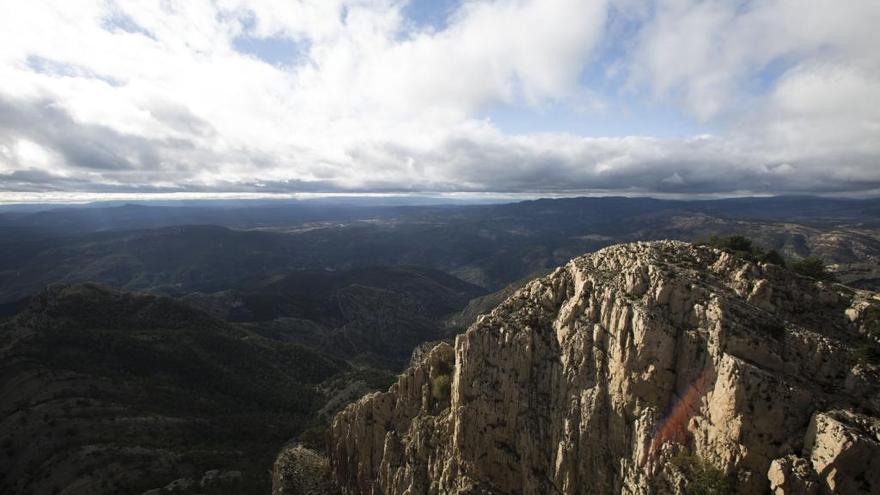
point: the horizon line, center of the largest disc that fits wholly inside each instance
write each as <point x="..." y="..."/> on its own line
<point x="85" y="198"/>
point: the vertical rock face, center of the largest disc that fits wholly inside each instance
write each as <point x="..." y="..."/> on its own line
<point x="592" y="379"/>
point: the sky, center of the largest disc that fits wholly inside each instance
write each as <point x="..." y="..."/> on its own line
<point x="536" y="97"/>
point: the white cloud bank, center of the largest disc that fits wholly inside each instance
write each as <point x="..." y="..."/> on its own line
<point x="152" y="95"/>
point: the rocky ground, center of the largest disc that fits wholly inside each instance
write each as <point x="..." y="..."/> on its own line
<point x="300" y="471"/>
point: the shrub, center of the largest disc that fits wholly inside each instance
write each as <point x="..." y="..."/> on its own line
<point x="736" y="243"/>
<point x="314" y="437"/>
<point x="441" y="387"/>
<point x="745" y="248"/>
<point x="813" y="267"/>
<point x="703" y="478"/>
<point x="773" y="328"/>
<point x="872" y="321"/>
<point x="773" y="257"/>
<point x="867" y="354"/>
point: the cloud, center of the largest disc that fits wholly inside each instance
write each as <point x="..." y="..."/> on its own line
<point x="713" y="55"/>
<point x="353" y="96"/>
<point x="565" y="164"/>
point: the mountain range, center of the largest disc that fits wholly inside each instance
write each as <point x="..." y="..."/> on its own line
<point x="148" y="348"/>
<point x="172" y="250"/>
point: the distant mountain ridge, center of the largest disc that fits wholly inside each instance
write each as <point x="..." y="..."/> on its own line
<point x="487" y="245"/>
<point x="94" y="217"/>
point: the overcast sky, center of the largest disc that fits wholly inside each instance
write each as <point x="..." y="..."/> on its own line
<point x="539" y="97"/>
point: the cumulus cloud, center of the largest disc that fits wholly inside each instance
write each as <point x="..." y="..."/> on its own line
<point x="152" y="96"/>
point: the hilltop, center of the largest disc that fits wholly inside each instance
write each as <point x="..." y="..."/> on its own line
<point x="657" y="367"/>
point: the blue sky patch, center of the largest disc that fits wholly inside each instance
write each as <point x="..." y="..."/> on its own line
<point x="431" y="14"/>
<point x="120" y="21"/>
<point x="59" y="69"/>
<point x="277" y="50"/>
<point x="617" y="119"/>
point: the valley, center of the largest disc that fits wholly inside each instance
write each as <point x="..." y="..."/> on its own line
<point x="141" y="352"/>
<point x="439" y="247"/>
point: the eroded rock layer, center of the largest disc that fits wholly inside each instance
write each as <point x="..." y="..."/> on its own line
<point x="596" y="378"/>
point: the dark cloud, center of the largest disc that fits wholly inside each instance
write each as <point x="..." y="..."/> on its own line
<point x="463" y="163"/>
<point x="638" y="165"/>
<point x="87" y="146"/>
<point x="181" y="119"/>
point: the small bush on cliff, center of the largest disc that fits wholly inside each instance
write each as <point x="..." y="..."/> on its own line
<point x="440" y="387"/>
<point x="703" y="478"/>
<point x="744" y="247"/>
<point x="735" y="243"/>
<point x="872" y="321"/>
<point x="773" y="257"/>
<point x="813" y="267"/>
<point x="314" y="437"/>
<point x="867" y="354"/>
<point x="441" y="383"/>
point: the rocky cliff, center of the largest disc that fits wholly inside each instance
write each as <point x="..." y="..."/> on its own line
<point x="642" y="368"/>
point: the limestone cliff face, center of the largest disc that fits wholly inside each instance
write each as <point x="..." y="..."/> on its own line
<point x="589" y="381"/>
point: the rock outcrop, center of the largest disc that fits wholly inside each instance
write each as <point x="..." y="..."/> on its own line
<point x="301" y="471"/>
<point x="596" y="378"/>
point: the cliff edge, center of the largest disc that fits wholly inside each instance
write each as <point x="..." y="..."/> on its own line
<point x="622" y="371"/>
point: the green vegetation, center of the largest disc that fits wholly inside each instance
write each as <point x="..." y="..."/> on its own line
<point x="233" y="396"/>
<point x="867" y="354"/>
<point x="744" y="247"/>
<point x="703" y="477"/>
<point x="773" y="257"/>
<point x="315" y="437"/>
<point x="813" y="267"/>
<point x="376" y="379"/>
<point x="440" y="387"/>
<point x="441" y="384"/>
<point x="872" y="321"/>
<point x="773" y="328"/>
<point x="735" y="243"/>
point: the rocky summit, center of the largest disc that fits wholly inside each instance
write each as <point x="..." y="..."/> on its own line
<point x="644" y="368"/>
